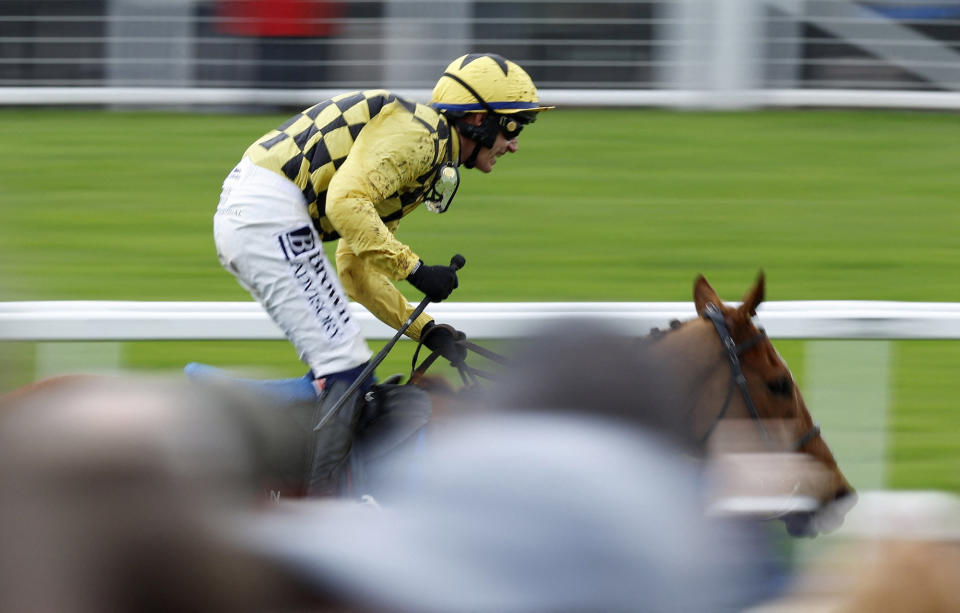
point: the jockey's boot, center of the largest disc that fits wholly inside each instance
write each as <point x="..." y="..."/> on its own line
<point x="330" y="445"/>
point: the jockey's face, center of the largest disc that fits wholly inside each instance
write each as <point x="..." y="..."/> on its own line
<point x="487" y="158"/>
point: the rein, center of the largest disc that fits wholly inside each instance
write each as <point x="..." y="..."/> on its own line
<point x="468" y="374"/>
<point x="739" y="380"/>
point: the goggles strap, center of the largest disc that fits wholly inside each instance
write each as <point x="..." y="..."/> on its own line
<point x="472" y="160"/>
<point x="472" y="91"/>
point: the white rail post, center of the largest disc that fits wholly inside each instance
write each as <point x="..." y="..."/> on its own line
<point x="847" y="388"/>
<point x="417" y="48"/>
<point x="683" y="36"/>
<point x="103" y="358"/>
<point x="736" y="64"/>
<point x="169" y="54"/>
<point x="712" y="47"/>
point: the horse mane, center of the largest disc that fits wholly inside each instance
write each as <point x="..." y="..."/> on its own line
<point x="656" y="334"/>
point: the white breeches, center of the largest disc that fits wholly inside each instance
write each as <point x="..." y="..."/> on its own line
<point x="266" y="239"/>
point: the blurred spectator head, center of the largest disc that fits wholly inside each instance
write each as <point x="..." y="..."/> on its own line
<point x="520" y="512"/>
<point x="111" y="489"/>
<point x="587" y="368"/>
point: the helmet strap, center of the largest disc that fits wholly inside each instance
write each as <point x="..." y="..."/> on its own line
<point x="471" y="161"/>
<point x="484" y="134"/>
<point x="472" y="91"/>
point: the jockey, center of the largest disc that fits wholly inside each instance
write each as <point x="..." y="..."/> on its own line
<point x="348" y="169"/>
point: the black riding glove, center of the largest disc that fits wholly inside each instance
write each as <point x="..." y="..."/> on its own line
<point x="442" y="339"/>
<point x="436" y="282"/>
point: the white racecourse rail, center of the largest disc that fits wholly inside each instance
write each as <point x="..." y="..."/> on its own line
<point x="131" y="321"/>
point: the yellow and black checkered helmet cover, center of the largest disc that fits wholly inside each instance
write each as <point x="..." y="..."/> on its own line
<point x="502" y="84"/>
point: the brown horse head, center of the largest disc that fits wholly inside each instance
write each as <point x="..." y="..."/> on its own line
<point x="726" y="370"/>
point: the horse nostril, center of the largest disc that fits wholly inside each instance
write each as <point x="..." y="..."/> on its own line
<point x="845" y="499"/>
<point x="800" y="524"/>
<point x="830" y="517"/>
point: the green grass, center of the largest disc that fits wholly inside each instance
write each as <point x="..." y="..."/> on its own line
<point x="597" y="205"/>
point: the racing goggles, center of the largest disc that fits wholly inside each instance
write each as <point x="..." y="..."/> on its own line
<point x="444" y="187"/>
<point x="511" y="125"/>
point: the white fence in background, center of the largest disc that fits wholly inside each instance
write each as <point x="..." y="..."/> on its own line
<point x="120" y="320"/>
<point x="679" y="53"/>
<point x="155" y="97"/>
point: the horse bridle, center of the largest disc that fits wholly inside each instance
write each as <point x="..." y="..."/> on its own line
<point x="739" y="380"/>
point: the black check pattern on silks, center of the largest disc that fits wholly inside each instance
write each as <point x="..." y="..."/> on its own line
<point x="310" y="147"/>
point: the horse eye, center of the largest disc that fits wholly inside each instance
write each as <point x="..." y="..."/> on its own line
<point x="781" y="387"/>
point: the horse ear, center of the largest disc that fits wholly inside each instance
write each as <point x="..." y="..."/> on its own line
<point x="703" y="295"/>
<point x="754" y="297"/>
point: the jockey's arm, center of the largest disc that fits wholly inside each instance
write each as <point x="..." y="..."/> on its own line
<point x="373" y="289"/>
<point x="384" y="159"/>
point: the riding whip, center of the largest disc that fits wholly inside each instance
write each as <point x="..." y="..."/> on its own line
<point x="456" y="263"/>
